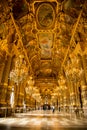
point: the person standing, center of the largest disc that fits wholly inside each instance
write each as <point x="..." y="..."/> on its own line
<point x="53" y="109"/>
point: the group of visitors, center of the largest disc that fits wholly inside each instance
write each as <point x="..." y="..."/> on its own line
<point x="79" y="112"/>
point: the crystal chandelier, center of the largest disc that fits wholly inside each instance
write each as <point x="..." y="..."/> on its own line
<point x="20" y="71"/>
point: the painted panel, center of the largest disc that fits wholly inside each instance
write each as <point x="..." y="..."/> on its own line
<point x="46" y="42"/>
<point x="45" y="15"/>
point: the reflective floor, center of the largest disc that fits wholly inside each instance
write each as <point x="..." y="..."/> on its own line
<point x="43" y="120"/>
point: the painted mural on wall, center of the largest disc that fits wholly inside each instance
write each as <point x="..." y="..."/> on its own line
<point x="45" y="42"/>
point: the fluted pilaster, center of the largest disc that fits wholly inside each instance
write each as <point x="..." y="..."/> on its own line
<point x="84" y="60"/>
<point x="2" y="65"/>
<point x="83" y="83"/>
<point x="27" y="97"/>
<point x="72" y="95"/>
<point x="4" y="82"/>
<point x="19" y="94"/>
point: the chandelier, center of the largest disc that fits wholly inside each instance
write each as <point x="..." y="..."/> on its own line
<point x="73" y="69"/>
<point x="20" y="71"/>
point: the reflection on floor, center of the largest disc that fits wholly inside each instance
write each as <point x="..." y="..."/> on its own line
<point x="43" y="120"/>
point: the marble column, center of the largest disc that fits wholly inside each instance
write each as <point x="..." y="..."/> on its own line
<point x="84" y="95"/>
<point x="32" y="102"/>
<point x="27" y="101"/>
<point x="4" y="82"/>
<point x="61" y="102"/>
<point x="4" y="88"/>
<point x="10" y="85"/>
<point x="72" y="94"/>
<point x="68" y="103"/>
<point x="66" y="98"/>
<point x="18" y="95"/>
<point x="2" y="65"/>
<point x="82" y="62"/>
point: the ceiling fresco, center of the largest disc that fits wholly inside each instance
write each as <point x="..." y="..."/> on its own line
<point x="45" y="14"/>
<point x="46" y="42"/>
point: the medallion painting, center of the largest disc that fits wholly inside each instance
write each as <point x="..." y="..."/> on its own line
<point x="45" y="42"/>
<point x="45" y="15"/>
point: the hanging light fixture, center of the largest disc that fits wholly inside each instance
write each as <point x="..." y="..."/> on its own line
<point x="20" y="71"/>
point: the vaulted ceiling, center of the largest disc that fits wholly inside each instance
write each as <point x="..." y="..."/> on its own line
<point x="50" y="31"/>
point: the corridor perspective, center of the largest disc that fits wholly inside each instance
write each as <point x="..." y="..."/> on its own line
<point x="43" y="64"/>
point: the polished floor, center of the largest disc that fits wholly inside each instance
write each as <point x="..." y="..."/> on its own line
<point x="43" y="120"/>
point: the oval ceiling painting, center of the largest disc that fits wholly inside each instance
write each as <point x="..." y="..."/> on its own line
<point x="45" y="15"/>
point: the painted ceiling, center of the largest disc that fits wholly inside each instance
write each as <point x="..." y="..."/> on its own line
<point x="50" y="32"/>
